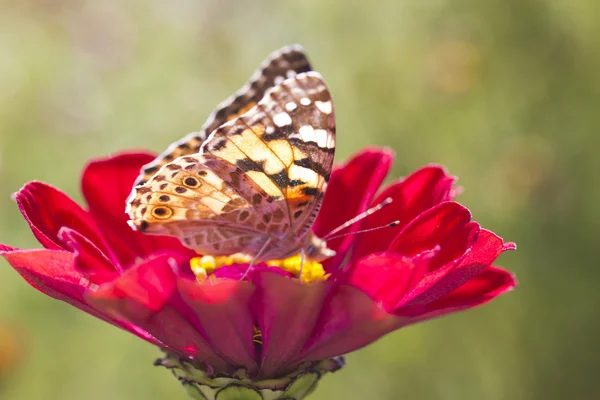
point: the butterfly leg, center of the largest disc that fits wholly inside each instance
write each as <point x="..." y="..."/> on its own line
<point x="262" y="249"/>
<point x="301" y="263"/>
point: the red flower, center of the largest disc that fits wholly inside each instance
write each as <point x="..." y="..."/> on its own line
<point x="436" y="262"/>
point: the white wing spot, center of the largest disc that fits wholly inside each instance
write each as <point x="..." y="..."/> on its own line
<point x="321" y="135"/>
<point x="278" y="80"/>
<point x="282" y="119"/>
<point x="307" y="133"/>
<point x="330" y="142"/>
<point x="305" y="101"/>
<point x="291" y="106"/>
<point x="324" y="106"/>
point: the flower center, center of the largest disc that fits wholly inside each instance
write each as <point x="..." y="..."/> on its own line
<point x="257" y="336"/>
<point x="305" y="270"/>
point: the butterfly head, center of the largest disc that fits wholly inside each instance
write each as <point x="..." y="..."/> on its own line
<point x="317" y="249"/>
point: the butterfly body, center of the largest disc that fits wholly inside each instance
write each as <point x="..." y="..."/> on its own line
<point x="256" y="183"/>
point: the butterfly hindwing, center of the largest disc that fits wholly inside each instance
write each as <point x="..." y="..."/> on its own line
<point x="211" y="205"/>
<point x="278" y="66"/>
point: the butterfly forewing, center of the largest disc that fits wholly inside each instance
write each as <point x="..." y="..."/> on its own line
<point x="285" y="144"/>
<point x="278" y="66"/>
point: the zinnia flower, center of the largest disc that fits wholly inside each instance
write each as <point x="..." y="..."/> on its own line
<point x="270" y="334"/>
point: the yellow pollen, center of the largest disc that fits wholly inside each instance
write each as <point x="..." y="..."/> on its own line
<point x="311" y="271"/>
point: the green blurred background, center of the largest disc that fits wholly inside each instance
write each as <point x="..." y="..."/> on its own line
<point x="505" y="93"/>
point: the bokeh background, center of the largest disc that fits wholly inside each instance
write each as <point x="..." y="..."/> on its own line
<point x="505" y="93"/>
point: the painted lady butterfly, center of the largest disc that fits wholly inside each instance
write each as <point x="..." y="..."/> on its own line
<point x="253" y="180"/>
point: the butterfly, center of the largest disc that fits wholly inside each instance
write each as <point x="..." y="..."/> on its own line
<point x="253" y="180"/>
<point x="279" y="65"/>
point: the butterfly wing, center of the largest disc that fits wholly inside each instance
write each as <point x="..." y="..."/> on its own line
<point x="260" y="176"/>
<point x="211" y="205"/>
<point x="279" y="65"/>
<point x="286" y="145"/>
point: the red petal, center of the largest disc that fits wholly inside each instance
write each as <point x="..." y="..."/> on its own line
<point x="287" y="311"/>
<point x="88" y="258"/>
<point x="350" y="191"/>
<point x="446" y="226"/>
<point x="387" y="277"/>
<point x="480" y="289"/>
<point x="47" y="210"/>
<point x="492" y="282"/>
<point x="223" y="309"/>
<point x="146" y="286"/>
<point x="146" y="295"/>
<point x="349" y="321"/>
<point x="441" y="282"/>
<point x="420" y="191"/>
<point x="53" y="273"/>
<point x="352" y="320"/>
<point x="106" y="184"/>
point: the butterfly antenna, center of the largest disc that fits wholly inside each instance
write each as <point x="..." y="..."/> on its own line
<point x="391" y="224"/>
<point x="359" y="217"/>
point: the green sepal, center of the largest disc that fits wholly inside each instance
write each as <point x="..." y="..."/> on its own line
<point x="238" y="392"/>
<point x="201" y="383"/>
